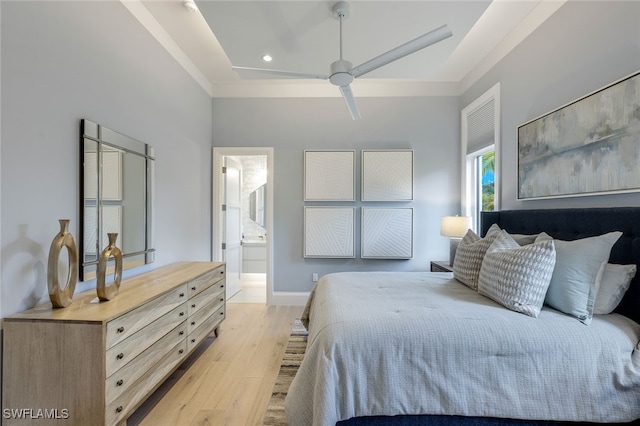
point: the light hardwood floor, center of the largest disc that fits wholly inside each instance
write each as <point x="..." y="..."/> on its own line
<point x="228" y="381"/>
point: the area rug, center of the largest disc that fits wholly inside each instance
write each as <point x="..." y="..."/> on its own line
<point x="291" y="360"/>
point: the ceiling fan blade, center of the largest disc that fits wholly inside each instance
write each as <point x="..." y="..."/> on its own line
<point x="281" y="73"/>
<point x="401" y="51"/>
<point x="347" y="94"/>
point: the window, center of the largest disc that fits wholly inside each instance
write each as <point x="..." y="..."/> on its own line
<point x="482" y="186"/>
<point x="480" y="148"/>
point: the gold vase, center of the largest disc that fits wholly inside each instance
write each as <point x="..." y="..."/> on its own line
<point x="62" y="297"/>
<point x="108" y="292"/>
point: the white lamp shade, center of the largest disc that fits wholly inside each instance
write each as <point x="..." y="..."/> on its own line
<point x="454" y="226"/>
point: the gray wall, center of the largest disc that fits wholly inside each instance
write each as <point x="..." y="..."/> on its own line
<point x="63" y="61"/>
<point x="428" y="125"/>
<point x="581" y="48"/>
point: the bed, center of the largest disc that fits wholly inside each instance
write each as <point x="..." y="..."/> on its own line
<point x="423" y="348"/>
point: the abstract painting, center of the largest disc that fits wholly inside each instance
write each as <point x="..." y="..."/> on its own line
<point x="387" y="175"/>
<point x="329" y="175"/>
<point x="329" y="232"/>
<point x="588" y="147"/>
<point x="387" y="233"/>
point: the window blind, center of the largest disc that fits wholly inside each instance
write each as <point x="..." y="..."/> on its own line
<point x="480" y="127"/>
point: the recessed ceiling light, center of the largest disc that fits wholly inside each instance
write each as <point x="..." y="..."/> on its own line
<point x="267" y="58"/>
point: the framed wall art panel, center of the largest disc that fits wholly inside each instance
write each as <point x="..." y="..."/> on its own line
<point x="387" y="233"/>
<point x="329" y="232"/>
<point x="329" y="175"/>
<point x="387" y="175"/>
<point x="590" y="146"/>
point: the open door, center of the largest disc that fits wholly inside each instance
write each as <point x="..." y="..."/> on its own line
<point x="223" y="187"/>
<point x="232" y="217"/>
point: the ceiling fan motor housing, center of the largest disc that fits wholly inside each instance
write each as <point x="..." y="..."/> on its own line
<point x="341" y="73"/>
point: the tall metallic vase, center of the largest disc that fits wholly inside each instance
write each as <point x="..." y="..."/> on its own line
<point x="62" y="297"/>
<point x="108" y="292"/>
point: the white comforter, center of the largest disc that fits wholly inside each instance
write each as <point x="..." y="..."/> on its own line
<point x="389" y="343"/>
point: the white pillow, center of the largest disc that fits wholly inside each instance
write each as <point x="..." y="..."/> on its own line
<point x="613" y="285"/>
<point x="524" y="239"/>
<point x="578" y="267"/>
<point x="469" y="255"/>
<point x="517" y="277"/>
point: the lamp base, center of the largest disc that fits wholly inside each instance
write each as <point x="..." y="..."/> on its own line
<point x="453" y="247"/>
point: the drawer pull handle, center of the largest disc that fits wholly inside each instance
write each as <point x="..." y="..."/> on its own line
<point x="120" y="329"/>
<point x="181" y="314"/>
<point x="193" y="340"/>
<point x="193" y="288"/>
<point x="181" y="294"/>
<point x="120" y="355"/>
<point x="119" y="382"/>
<point x="119" y="409"/>
<point x="193" y="305"/>
<point x="193" y="323"/>
<point x="222" y="272"/>
<point x="222" y="299"/>
<point x="221" y="285"/>
<point x="181" y="351"/>
<point x="181" y="332"/>
<point x="221" y="313"/>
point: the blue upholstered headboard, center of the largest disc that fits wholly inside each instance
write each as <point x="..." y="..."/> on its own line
<point x="571" y="224"/>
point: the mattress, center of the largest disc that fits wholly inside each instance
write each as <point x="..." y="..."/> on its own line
<point x="403" y="343"/>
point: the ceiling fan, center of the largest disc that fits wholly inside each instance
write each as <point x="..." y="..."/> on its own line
<point x="342" y="71"/>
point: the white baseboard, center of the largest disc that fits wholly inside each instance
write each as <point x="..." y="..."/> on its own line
<point x="291" y="298"/>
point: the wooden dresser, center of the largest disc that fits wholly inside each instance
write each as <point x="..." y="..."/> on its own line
<point x="93" y="363"/>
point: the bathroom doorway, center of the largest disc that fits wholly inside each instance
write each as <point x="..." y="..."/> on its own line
<point x="250" y="276"/>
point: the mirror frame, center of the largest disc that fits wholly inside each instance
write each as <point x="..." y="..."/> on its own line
<point x="105" y="138"/>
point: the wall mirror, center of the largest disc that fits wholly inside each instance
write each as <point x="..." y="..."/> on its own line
<point x="116" y="195"/>
<point x="257" y="205"/>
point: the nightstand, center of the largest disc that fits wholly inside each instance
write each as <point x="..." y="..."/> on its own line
<point x="441" y="266"/>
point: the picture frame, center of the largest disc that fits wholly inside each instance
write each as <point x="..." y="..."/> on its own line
<point x="590" y="146"/>
<point x="329" y="232"/>
<point x="387" y="175"/>
<point x="386" y="233"/>
<point x="329" y="175"/>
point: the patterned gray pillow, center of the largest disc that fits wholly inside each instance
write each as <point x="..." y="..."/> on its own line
<point x="517" y="277"/>
<point x="468" y="260"/>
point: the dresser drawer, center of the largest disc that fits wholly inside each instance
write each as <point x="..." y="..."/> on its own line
<point x="125" y="351"/>
<point x="203" y="298"/>
<point x="201" y="316"/>
<point x="125" y="377"/>
<point x="205" y="328"/>
<point x="125" y="325"/>
<point x="122" y="405"/>
<point x="199" y="284"/>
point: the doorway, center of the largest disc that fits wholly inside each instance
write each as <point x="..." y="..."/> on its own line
<point x="242" y="220"/>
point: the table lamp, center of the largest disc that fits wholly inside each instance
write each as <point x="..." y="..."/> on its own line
<point x="454" y="227"/>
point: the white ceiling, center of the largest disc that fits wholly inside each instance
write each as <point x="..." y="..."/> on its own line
<point x="303" y="36"/>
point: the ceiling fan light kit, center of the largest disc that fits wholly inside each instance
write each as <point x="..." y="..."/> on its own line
<point x="342" y="71"/>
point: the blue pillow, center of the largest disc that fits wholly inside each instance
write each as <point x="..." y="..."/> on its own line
<point x="578" y="263"/>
